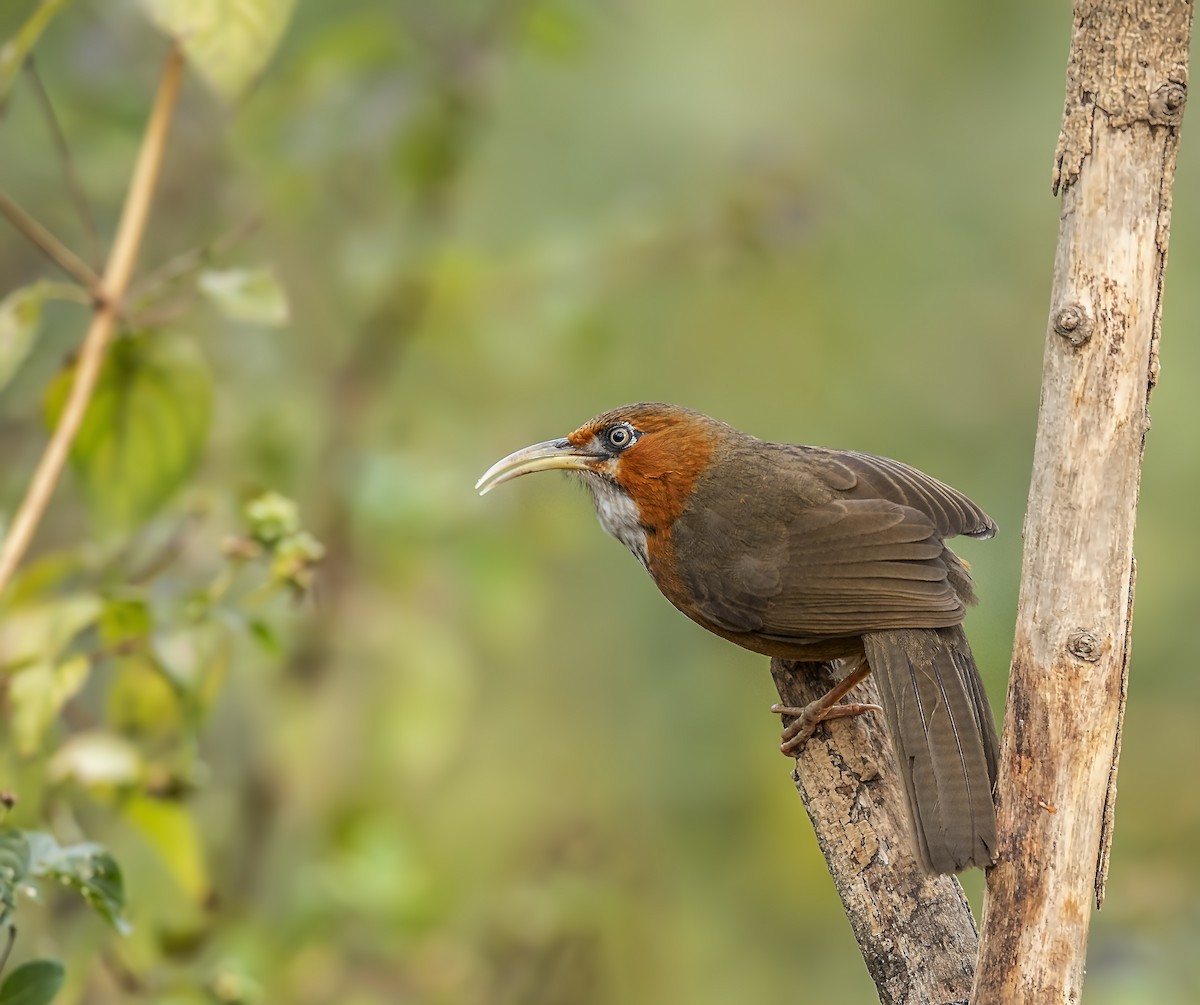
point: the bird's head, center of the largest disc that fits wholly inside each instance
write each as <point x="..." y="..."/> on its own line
<point x="641" y="463"/>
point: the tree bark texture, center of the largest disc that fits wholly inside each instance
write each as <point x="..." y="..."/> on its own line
<point x="915" y="931"/>
<point x="1115" y="162"/>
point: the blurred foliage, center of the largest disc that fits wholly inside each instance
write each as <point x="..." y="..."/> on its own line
<point x="422" y="235"/>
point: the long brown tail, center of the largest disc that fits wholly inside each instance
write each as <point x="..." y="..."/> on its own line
<point x="945" y="740"/>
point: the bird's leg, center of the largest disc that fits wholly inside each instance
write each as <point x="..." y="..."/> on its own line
<point x="798" y="732"/>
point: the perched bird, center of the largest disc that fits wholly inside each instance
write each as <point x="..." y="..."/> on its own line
<point x="810" y="554"/>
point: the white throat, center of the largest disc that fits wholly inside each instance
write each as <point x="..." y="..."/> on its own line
<point x="618" y="514"/>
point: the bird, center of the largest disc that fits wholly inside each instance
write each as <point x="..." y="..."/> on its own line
<point x="818" y="555"/>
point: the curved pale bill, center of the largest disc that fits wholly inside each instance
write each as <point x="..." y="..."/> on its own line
<point x="547" y="456"/>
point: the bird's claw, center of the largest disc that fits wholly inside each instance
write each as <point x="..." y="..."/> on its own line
<point x="800" y="730"/>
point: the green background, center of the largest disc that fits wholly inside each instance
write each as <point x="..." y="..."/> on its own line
<point x="492" y="764"/>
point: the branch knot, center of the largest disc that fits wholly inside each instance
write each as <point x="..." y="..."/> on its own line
<point x="1085" y="645"/>
<point x="1073" y="323"/>
<point x="1166" y="104"/>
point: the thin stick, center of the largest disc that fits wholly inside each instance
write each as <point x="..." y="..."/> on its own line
<point x="51" y="246"/>
<point x="111" y="291"/>
<point x="193" y="258"/>
<point x="74" y="185"/>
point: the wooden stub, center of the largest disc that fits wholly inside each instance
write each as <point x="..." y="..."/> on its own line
<point x="915" y="931"/>
<point x="1126" y="84"/>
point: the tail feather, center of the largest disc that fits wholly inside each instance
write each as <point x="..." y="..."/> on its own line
<point x="945" y="740"/>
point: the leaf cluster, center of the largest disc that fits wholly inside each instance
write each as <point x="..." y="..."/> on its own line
<point x="113" y="653"/>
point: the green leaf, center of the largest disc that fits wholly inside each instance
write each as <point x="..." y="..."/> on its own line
<point x="43" y="576"/>
<point x="85" y="867"/>
<point x="228" y="42"/>
<point x="37" y="694"/>
<point x="172" y="833"/>
<point x="125" y="619"/>
<point x="144" y="428"/>
<point x="35" y="982"/>
<point x="14" y="869"/>
<point x="39" y="632"/>
<point x="20" y="319"/>
<point x="16" y="50"/>
<point x="142" y="701"/>
<point x="195" y="660"/>
<point x="251" y="295"/>
<point x="266" y="636"/>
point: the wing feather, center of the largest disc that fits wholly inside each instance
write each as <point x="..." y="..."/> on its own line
<point x="952" y="512"/>
<point x="831" y="543"/>
<point x="841" y="568"/>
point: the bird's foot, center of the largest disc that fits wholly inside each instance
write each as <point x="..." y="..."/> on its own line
<point x="800" y="730"/>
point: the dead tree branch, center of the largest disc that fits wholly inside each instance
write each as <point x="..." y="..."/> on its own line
<point x="915" y="931"/>
<point x="1115" y="163"/>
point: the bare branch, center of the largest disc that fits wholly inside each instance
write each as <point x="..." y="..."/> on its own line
<point x="1115" y="165"/>
<point x="104" y="318"/>
<point x="188" y="261"/>
<point x="74" y="185"/>
<point x="51" y="246"/>
<point x="915" y="931"/>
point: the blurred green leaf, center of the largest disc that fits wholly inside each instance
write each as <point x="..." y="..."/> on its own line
<point x="145" y="425"/>
<point x="14" y="869"/>
<point x="20" y="320"/>
<point x="125" y="619"/>
<point x="141" y="701"/>
<point x="228" y="42"/>
<point x="37" y="694"/>
<point x="35" y="982"/>
<point x="38" y="632"/>
<point x="171" y="831"/>
<point x="85" y="867"/>
<point x="16" y="50"/>
<point x="266" y="636"/>
<point x="190" y="655"/>
<point x="43" y="575"/>
<point x="251" y="295"/>
<point x="96" y="760"/>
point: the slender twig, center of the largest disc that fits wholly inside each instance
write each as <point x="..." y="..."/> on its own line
<point x="163" y="314"/>
<point x="51" y="246"/>
<point x="193" y="258"/>
<point x="74" y="185"/>
<point x="104" y="318"/>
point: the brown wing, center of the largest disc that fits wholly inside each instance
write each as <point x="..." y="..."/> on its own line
<point x="951" y="512"/>
<point x="837" y="544"/>
<point x="841" y="568"/>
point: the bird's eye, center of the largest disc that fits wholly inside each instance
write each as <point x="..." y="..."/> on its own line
<point x="619" y="437"/>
